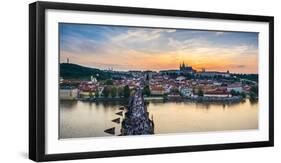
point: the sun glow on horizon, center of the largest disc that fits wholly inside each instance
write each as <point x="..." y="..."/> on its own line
<point x="131" y="48"/>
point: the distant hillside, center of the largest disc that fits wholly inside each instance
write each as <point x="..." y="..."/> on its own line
<point x="74" y="71"/>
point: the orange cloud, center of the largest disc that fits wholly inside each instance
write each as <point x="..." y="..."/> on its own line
<point x="218" y="59"/>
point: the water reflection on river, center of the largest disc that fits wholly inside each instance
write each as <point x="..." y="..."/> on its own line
<point x="90" y="119"/>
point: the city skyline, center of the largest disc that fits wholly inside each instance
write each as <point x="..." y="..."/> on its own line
<point x="137" y="48"/>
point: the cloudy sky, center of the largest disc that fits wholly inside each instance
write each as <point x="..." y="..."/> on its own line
<point x="131" y="48"/>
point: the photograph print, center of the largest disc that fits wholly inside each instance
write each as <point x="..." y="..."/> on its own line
<point x="128" y="81"/>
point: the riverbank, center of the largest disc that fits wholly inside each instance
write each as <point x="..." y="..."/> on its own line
<point x="233" y="99"/>
<point x="198" y="99"/>
<point x="102" y="99"/>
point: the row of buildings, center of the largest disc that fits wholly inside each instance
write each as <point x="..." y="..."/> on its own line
<point x="170" y="83"/>
<point x="159" y="85"/>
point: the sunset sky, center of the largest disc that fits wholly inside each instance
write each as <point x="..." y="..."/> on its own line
<point x="132" y="48"/>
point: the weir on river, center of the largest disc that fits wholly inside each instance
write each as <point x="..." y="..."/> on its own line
<point x="136" y="121"/>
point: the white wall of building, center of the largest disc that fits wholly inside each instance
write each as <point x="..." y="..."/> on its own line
<point x="68" y="94"/>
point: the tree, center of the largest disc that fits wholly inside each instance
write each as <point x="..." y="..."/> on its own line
<point x="234" y="93"/>
<point x="126" y="91"/>
<point x="120" y="91"/>
<point x="254" y="92"/>
<point x="91" y="94"/>
<point x="243" y="94"/>
<point x="175" y="90"/>
<point x="113" y="92"/>
<point x="146" y="90"/>
<point x="97" y="94"/>
<point x="200" y="92"/>
<point x="106" y="92"/>
<point x="108" y="82"/>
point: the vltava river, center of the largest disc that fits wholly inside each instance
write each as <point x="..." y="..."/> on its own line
<point x="90" y="119"/>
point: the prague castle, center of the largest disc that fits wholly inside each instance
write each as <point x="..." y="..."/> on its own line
<point x="186" y="69"/>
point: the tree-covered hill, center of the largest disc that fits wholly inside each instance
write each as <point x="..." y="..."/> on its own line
<point x="74" y="71"/>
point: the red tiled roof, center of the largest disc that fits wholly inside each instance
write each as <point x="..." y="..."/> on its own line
<point x="156" y="88"/>
<point x="216" y="91"/>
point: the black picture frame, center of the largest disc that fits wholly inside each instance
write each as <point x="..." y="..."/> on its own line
<point x="37" y="80"/>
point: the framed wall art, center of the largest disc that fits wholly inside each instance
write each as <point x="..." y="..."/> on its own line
<point x="118" y="81"/>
